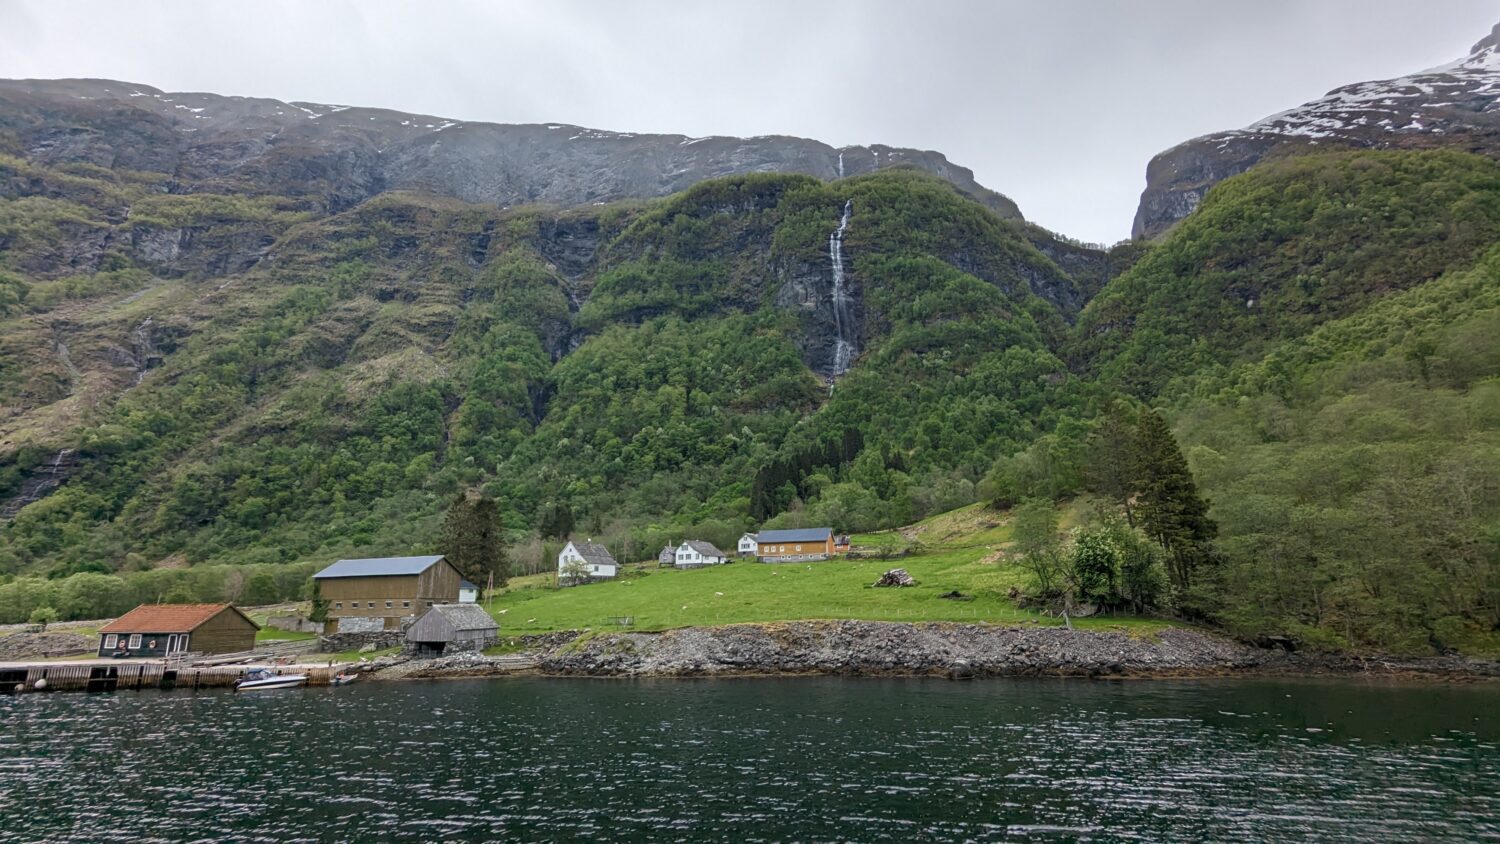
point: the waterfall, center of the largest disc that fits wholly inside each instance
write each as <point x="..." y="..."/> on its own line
<point x="843" y="348"/>
<point x="44" y="479"/>
<point x="841" y="164"/>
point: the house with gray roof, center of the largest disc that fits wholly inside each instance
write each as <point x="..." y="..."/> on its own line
<point x="581" y="562"/>
<point x="695" y="553"/>
<point x="668" y="556"/>
<point x="795" y="545"/>
<point x="384" y="593"/>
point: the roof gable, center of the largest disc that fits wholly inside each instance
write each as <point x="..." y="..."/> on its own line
<point x="379" y="567"/>
<point x="170" y="618"/>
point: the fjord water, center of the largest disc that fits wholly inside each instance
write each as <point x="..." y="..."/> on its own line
<point x="803" y="759"/>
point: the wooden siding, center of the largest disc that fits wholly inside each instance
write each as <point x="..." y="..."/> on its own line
<point x="226" y="633"/>
<point x="408" y="595"/>
<point x="794" y="549"/>
<point x="342" y="593"/>
<point x="439" y="584"/>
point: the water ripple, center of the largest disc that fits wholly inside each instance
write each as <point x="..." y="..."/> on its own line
<point x="807" y="759"/>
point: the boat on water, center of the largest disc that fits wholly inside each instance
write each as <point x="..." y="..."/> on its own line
<point x="342" y="679"/>
<point x="262" y="678"/>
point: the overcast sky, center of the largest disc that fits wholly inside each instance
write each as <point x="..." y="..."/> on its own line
<point x="1058" y="104"/>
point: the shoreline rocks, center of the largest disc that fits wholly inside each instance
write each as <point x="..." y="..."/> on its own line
<point x="957" y="651"/>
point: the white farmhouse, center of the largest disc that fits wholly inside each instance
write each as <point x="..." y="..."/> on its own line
<point x="694" y="553"/>
<point x="748" y="544"/>
<point x="595" y="560"/>
<point x="468" y="593"/>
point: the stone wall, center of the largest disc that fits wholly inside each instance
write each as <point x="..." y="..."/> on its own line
<point x="338" y="642"/>
<point x="294" y="623"/>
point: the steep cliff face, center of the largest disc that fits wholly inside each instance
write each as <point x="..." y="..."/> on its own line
<point x="342" y="155"/>
<point x="1456" y="105"/>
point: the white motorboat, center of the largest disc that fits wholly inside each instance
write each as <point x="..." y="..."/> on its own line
<point x="262" y="678"/>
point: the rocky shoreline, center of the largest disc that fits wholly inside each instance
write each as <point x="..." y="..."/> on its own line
<point x="868" y="648"/>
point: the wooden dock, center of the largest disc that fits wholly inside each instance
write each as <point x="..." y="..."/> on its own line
<point x="114" y="675"/>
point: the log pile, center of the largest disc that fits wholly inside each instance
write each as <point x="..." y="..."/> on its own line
<point x="896" y="577"/>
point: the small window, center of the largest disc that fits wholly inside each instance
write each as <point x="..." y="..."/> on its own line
<point x="135" y="641"/>
<point x="111" y="640"/>
<point x="799" y="547"/>
<point x="338" y="605"/>
<point x="406" y="605"/>
<point x="429" y="603"/>
<point x="389" y="604"/>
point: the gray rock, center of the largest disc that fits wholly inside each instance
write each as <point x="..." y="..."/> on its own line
<point x="344" y="155"/>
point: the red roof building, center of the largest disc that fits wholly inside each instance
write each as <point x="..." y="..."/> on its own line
<point x="166" y="629"/>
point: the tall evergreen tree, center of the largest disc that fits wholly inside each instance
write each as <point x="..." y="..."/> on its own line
<point x="1170" y="509"/>
<point x="1113" y="458"/>
<point x="471" y="539"/>
<point x="556" y="521"/>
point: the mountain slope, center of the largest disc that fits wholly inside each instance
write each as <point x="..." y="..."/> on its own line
<point x="1455" y="106"/>
<point x="1276" y="251"/>
<point x="340" y="155"/>
<point x="621" y="361"/>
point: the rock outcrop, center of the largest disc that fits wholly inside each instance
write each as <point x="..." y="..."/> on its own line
<point x="870" y="647"/>
<point x="342" y="155"/>
<point x="1456" y="105"/>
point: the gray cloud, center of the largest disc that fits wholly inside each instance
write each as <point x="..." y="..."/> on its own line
<point x="1057" y="104"/>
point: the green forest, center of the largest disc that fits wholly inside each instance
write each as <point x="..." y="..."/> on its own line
<point x="1285" y="413"/>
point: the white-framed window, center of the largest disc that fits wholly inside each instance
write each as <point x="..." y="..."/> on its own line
<point x="389" y="604"/>
<point x="406" y="605"/>
<point x="799" y="547"/>
<point x="111" y="640"/>
<point x="338" y="605"/>
<point x="135" y="641"/>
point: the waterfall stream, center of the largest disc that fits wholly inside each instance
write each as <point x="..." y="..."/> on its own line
<point x="843" y="323"/>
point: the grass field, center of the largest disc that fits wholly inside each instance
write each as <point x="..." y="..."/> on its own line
<point x="961" y="550"/>
<point x="271" y="634"/>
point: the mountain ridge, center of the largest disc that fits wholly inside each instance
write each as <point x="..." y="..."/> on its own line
<point x="1454" y="105"/>
<point x="346" y="154"/>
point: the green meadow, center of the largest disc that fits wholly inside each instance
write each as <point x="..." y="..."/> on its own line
<point x="962" y="551"/>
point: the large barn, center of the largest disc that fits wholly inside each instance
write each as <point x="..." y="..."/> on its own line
<point x="165" y="629"/>
<point x="380" y="593"/>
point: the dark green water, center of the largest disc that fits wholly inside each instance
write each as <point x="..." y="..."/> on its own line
<point x="759" y="760"/>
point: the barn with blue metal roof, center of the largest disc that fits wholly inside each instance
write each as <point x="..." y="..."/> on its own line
<point x="383" y="593"/>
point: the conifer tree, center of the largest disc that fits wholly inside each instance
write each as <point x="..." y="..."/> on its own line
<point x="556" y="521"/>
<point x="1169" y="507"/>
<point x="1114" y="459"/>
<point x="471" y="539"/>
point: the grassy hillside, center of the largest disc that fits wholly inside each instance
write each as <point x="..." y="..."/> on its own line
<point x="962" y="551"/>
